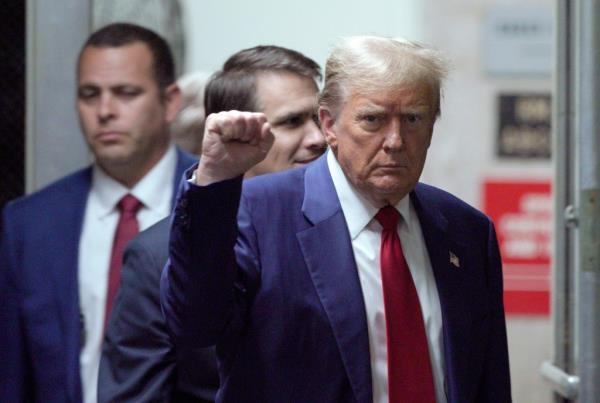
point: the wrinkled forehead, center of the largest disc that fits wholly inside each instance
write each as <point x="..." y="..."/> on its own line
<point x="421" y="94"/>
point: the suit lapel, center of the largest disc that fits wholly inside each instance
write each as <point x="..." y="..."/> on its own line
<point x="451" y="281"/>
<point x="329" y="257"/>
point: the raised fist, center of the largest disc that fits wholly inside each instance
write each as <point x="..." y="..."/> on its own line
<point x="233" y="142"/>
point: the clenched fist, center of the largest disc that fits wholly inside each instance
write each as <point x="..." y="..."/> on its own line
<point x="233" y="142"/>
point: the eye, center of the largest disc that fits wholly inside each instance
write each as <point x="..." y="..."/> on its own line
<point x="87" y="92"/>
<point x="294" y="121"/>
<point x="127" y="91"/>
<point x="371" y="121"/>
<point x="413" y="120"/>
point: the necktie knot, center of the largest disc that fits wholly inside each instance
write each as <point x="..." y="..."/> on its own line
<point x="129" y="204"/>
<point x="388" y="217"/>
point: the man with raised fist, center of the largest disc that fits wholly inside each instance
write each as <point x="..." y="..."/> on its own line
<point x="346" y="280"/>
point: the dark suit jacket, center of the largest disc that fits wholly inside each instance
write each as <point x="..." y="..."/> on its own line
<point x="139" y="362"/>
<point x="41" y="331"/>
<point x="275" y="286"/>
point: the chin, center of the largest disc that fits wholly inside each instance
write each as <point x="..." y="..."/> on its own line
<point x="109" y="149"/>
<point x="392" y="184"/>
<point x="392" y="192"/>
<point x="113" y="158"/>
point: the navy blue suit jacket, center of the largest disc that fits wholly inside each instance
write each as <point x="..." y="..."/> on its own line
<point x="41" y="327"/>
<point x="275" y="286"/>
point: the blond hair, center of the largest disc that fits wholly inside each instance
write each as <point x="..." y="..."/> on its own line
<point x="370" y="64"/>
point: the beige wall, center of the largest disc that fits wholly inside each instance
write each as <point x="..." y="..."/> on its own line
<point x="219" y="28"/>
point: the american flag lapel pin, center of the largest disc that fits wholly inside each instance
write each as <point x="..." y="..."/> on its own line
<point x="454" y="260"/>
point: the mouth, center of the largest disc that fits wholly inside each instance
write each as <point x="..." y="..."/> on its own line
<point x="392" y="167"/>
<point x="108" y="136"/>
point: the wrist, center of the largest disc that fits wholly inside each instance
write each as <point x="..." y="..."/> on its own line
<point x="206" y="174"/>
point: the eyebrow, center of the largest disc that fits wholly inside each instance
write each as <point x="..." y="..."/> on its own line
<point x="291" y="114"/>
<point x="87" y="85"/>
<point x="377" y="109"/>
<point x="418" y="107"/>
<point x="371" y="108"/>
<point x="115" y="85"/>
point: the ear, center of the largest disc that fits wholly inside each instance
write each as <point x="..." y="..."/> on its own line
<point x="328" y="128"/>
<point x="172" y="100"/>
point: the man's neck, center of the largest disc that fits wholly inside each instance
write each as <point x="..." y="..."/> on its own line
<point x="129" y="174"/>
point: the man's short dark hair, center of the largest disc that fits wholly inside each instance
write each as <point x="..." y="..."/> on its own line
<point x="234" y="87"/>
<point x="122" y="34"/>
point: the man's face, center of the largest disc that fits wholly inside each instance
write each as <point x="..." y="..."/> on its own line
<point x="289" y="102"/>
<point x="381" y="140"/>
<point x="122" y="112"/>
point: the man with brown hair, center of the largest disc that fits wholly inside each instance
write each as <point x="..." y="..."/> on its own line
<point x="139" y="361"/>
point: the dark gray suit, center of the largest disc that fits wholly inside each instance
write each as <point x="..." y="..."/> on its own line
<point x="139" y="362"/>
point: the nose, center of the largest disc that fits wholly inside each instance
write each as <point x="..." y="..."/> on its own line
<point x="106" y="108"/>
<point x="393" y="140"/>
<point x="313" y="138"/>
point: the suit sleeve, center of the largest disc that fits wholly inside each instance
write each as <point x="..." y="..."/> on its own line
<point x="495" y="385"/>
<point x="212" y="267"/>
<point x="15" y="375"/>
<point x="138" y="360"/>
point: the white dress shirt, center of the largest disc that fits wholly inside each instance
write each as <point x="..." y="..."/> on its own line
<point x="95" y="247"/>
<point x="365" y="234"/>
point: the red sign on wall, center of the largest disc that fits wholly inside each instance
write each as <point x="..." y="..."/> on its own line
<point x="522" y="214"/>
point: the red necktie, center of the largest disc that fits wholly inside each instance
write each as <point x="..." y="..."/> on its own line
<point x="127" y="228"/>
<point x="409" y="370"/>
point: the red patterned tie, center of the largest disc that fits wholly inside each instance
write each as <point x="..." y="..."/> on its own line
<point x="127" y="228"/>
<point x="410" y="379"/>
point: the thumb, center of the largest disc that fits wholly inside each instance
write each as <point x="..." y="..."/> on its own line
<point x="266" y="137"/>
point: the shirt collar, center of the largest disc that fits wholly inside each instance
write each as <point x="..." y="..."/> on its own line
<point x="150" y="190"/>
<point x="358" y="211"/>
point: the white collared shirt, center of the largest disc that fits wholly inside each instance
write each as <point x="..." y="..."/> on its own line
<point x="95" y="246"/>
<point x="365" y="234"/>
